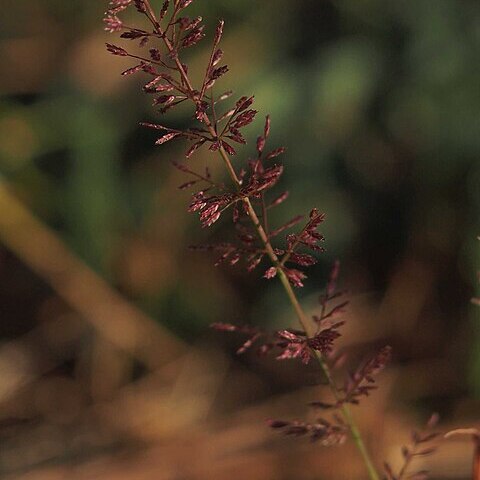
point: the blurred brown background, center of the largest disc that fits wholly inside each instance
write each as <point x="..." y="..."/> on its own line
<point x="107" y="366"/>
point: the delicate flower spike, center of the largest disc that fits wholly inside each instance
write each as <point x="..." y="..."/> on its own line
<point x="270" y="273"/>
<point x="260" y="144"/>
<point x="164" y="9"/>
<point x="362" y="381"/>
<point x="217" y="56"/>
<point x="279" y="200"/>
<point x="134" y="34"/>
<point x="112" y="24"/>
<point x="295" y="276"/>
<point x="218" y="33"/>
<point x="250" y="195"/>
<point x="120" y="3"/>
<point x="266" y="130"/>
<point x="132" y="70"/>
<point x="218" y="72"/>
<point x="244" y="103"/>
<point x="275" y="153"/>
<point x="295" y="346"/>
<point x="324" y="341"/>
<point x="211" y="207"/>
<point x="114" y="50"/>
<point x="324" y="432"/>
<point x="193" y="37"/>
<point x="186" y="23"/>
<point x="184" y="4"/>
<point x="418" y="448"/>
<point x="244" y="118"/>
<point x="141" y="6"/>
<point x="173" y="91"/>
<point x="228" y="148"/>
<point x="262" y="139"/>
<point x="167" y="138"/>
<point x="194" y="148"/>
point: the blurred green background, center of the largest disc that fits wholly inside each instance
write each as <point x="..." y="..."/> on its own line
<point x="378" y="104"/>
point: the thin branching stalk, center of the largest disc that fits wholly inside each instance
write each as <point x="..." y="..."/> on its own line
<point x="309" y="328"/>
<point x="307" y="235"/>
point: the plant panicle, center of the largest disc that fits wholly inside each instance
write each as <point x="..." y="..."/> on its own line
<point x="287" y="249"/>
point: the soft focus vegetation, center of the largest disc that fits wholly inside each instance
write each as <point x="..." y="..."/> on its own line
<point x="107" y="366"/>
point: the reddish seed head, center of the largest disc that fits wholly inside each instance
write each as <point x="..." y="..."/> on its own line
<point x="117" y="3"/>
<point x="114" y="50"/>
<point x="184" y="3"/>
<point x="270" y="273"/>
<point x="193" y="37"/>
<point x="251" y="190"/>
<point x="112" y="24"/>
<point x="260" y="144"/>
<point x="164" y="9"/>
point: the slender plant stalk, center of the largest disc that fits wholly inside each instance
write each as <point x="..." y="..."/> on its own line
<point x="308" y="327"/>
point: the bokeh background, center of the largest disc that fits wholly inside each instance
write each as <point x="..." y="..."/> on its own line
<point x="108" y="368"/>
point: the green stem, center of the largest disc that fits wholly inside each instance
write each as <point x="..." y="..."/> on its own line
<point x="358" y="440"/>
